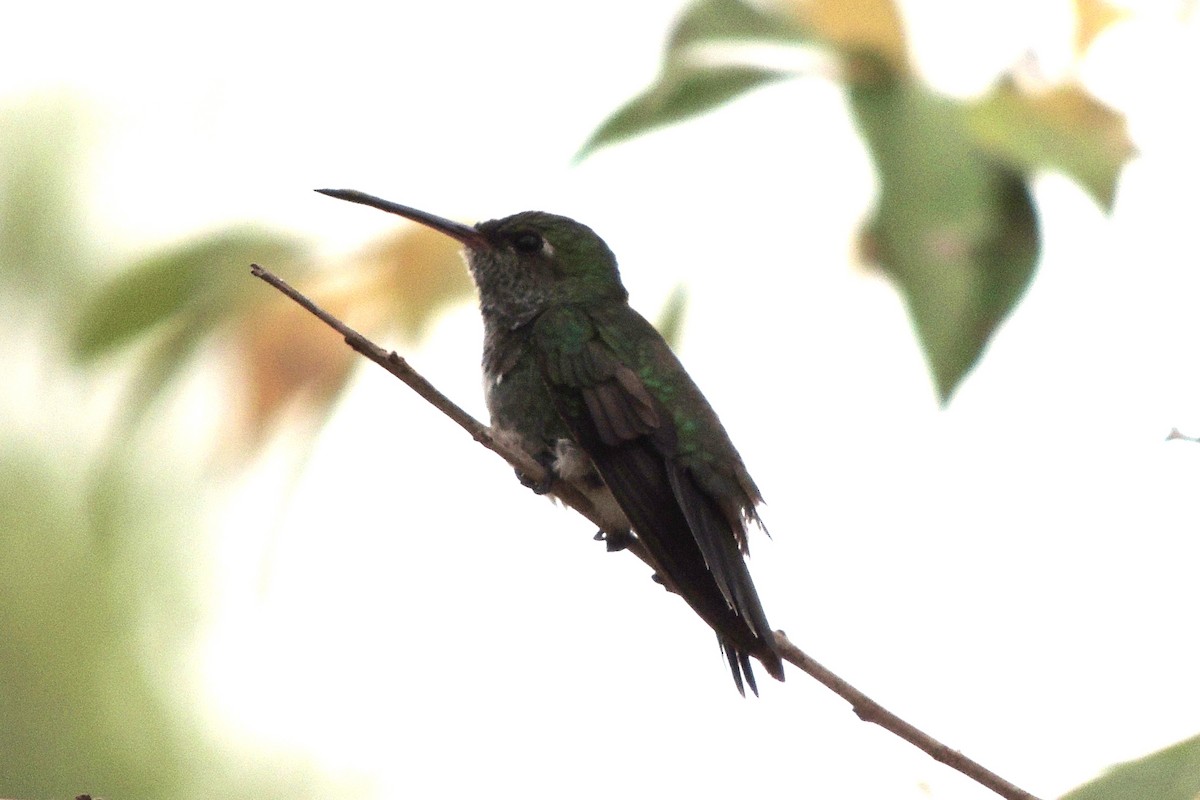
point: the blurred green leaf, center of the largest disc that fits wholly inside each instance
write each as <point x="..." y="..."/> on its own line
<point x="42" y="242"/>
<point x="80" y="710"/>
<point x="167" y="357"/>
<point x="1170" y="774"/>
<point x="203" y="280"/>
<point x="98" y="610"/>
<point x="680" y="92"/>
<point x="953" y="227"/>
<point x="1064" y="129"/>
<point x="730" y="20"/>
<point x="670" y="318"/>
<point x="685" y="88"/>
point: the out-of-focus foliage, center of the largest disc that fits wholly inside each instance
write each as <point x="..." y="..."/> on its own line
<point x="80" y="707"/>
<point x="852" y="28"/>
<point x="965" y="251"/>
<point x="100" y="548"/>
<point x="171" y="303"/>
<point x="685" y="88"/>
<point x="96" y="609"/>
<point x="41" y="242"/>
<point x="278" y="358"/>
<point x="680" y="92"/>
<point x="1061" y="128"/>
<point x="405" y="280"/>
<point x="1170" y="774"/>
<point x="184" y="286"/>
<point x="954" y="225"/>
<point x="670" y="318"/>
<point x="1091" y="18"/>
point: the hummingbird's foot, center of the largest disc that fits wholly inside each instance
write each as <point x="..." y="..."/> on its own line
<point x="543" y="483"/>
<point x="538" y="485"/>
<point x="657" y="578"/>
<point x="614" y="541"/>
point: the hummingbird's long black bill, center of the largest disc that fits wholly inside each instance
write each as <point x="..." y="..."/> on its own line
<point x="456" y="230"/>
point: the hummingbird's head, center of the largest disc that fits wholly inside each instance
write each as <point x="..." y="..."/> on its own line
<point x="524" y="263"/>
<point x="530" y="260"/>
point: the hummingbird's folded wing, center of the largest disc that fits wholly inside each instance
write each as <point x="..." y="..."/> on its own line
<point x="632" y="439"/>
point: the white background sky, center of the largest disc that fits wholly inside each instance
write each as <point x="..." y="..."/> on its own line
<point x="1015" y="573"/>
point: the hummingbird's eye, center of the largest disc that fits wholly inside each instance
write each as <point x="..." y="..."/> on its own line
<point x="527" y="242"/>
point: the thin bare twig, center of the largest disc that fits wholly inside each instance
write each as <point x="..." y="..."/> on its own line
<point x="1175" y="434"/>
<point x="870" y="711"/>
<point x="867" y="709"/>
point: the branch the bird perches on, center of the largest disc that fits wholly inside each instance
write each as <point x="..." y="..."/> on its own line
<point x="864" y="707"/>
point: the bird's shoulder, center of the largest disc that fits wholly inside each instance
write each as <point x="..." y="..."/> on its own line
<point x="591" y="368"/>
<point x="687" y="426"/>
<point x="603" y="338"/>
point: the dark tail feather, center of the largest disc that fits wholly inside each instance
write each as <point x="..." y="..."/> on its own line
<point x="735" y="667"/>
<point x="683" y="529"/>
<point x="744" y="660"/>
<point x="739" y="666"/>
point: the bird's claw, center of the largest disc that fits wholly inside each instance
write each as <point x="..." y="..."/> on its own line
<point x="537" y="485"/>
<point x="543" y="483"/>
<point x="614" y="542"/>
<point x="658" y="578"/>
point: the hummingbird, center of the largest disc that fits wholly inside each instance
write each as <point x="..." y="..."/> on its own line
<point x="581" y="381"/>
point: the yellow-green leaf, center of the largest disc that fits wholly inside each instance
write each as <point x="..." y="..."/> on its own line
<point x="954" y="228"/>
<point x="1064" y="128"/>
<point x="1170" y="774"/>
